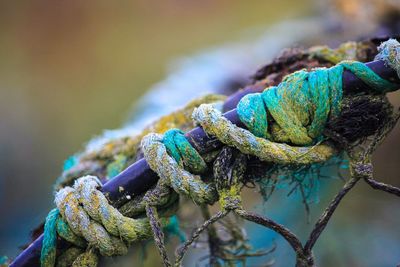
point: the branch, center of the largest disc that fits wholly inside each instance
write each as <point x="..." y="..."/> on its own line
<point x="325" y="217"/>
<point x="290" y="237"/>
<point x="383" y="187"/>
<point x="180" y="253"/>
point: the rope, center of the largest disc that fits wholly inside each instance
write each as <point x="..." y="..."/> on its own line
<point x="301" y="105"/>
<point x="174" y="175"/>
<point x="390" y="53"/>
<point x="295" y="112"/>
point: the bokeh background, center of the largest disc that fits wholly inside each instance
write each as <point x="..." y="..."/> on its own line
<point x="69" y="69"/>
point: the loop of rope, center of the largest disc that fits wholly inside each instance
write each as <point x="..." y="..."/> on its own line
<point x="183" y="152"/>
<point x="215" y="124"/>
<point x="174" y="175"/>
<point x="297" y="110"/>
<point x="81" y="224"/>
<point x="89" y="215"/>
<point x="302" y="103"/>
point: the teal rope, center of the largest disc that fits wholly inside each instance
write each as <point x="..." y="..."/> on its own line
<point x="48" y="254"/>
<point x="304" y="101"/>
<point x="174" y="175"/>
<point x="173" y="228"/>
<point x="183" y="152"/>
<point x="54" y="225"/>
<point x="295" y="111"/>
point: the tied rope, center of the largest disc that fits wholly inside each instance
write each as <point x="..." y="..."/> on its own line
<point x="294" y="112"/>
<point x="302" y="103"/>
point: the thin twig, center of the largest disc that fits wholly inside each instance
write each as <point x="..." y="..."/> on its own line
<point x="290" y="237"/>
<point x="212" y="236"/>
<point x="158" y="234"/>
<point x="325" y="217"/>
<point x="382" y="186"/>
<point x="180" y="253"/>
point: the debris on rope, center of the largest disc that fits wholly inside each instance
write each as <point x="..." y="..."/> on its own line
<point x="286" y="126"/>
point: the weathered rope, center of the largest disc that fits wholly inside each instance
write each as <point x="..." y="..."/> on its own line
<point x="301" y="105"/>
<point x="389" y="51"/>
<point x="295" y="112"/>
<point x="173" y="174"/>
<point x="89" y="215"/>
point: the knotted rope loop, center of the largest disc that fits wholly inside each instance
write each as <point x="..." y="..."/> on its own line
<point x="183" y="152"/>
<point x="88" y="214"/>
<point x="172" y="174"/>
<point x="81" y="224"/>
<point x="98" y="208"/>
<point x="302" y="103"/>
<point x="215" y="124"/>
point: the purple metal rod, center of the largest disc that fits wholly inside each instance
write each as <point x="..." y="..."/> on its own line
<point x="138" y="177"/>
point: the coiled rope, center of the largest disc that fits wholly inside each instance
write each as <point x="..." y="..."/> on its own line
<point x="294" y="112"/>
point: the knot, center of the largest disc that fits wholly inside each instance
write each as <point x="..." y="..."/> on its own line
<point x="299" y="107"/>
<point x="97" y="207"/>
<point x="85" y="218"/>
<point x="172" y="173"/>
<point x="389" y="52"/>
<point x="79" y="221"/>
<point x="362" y="170"/>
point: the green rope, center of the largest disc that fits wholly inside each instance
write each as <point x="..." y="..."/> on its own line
<point x="174" y="175"/>
<point x="183" y="152"/>
<point x="301" y="105"/>
<point x="296" y="111"/>
<point x="64" y="231"/>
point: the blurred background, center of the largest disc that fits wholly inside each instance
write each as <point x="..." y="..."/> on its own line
<point x="69" y="69"/>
